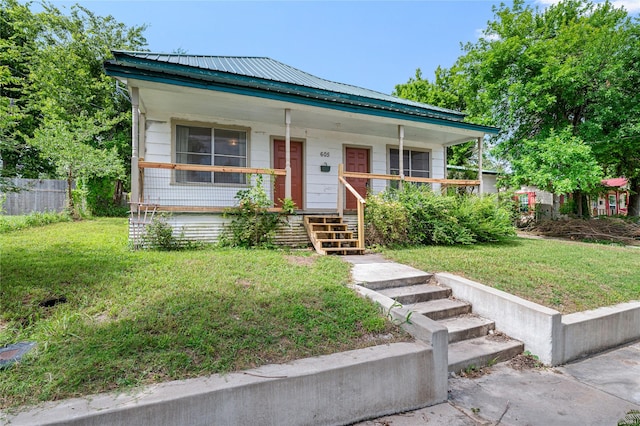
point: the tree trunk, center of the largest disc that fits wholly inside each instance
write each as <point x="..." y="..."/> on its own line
<point x="634" y="197"/>
<point x="555" y="206"/>
<point x="70" y="192"/>
<point x="577" y="199"/>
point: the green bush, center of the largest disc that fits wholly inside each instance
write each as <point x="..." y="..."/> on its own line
<point x="253" y="225"/>
<point x="99" y="198"/>
<point x="386" y="221"/>
<point x="417" y="216"/>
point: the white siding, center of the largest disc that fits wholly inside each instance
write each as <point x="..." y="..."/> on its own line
<point x="320" y="188"/>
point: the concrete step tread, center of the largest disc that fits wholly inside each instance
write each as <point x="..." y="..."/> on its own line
<point x="467" y="326"/>
<point x="440" y="308"/>
<point x="482" y="351"/>
<point x="395" y="292"/>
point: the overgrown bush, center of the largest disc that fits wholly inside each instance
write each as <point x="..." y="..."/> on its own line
<point x="417" y="216"/>
<point x="158" y="235"/>
<point x="253" y="225"/>
<point x="100" y="198"/>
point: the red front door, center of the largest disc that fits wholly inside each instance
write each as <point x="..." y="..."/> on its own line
<point x="357" y="160"/>
<point x="279" y="162"/>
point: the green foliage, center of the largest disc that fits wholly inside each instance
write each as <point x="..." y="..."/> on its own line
<point x="386" y="221"/>
<point x="158" y="235"/>
<point x="632" y="418"/>
<point x="100" y="198"/>
<point x="16" y="223"/>
<point x="252" y="224"/>
<point x="52" y="85"/>
<point x="417" y="216"/>
<point x="559" y="163"/>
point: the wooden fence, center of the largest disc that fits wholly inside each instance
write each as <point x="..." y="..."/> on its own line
<point x="37" y="195"/>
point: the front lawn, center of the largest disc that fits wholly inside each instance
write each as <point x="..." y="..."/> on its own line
<point x="563" y="275"/>
<point x="121" y="318"/>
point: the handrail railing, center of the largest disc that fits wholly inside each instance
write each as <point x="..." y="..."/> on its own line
<point x="360" y="202"/>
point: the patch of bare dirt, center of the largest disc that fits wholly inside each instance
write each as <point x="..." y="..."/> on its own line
<point x="497" y="336"/>
<point x="474" y="372"/>
<point x="525" y="362"/>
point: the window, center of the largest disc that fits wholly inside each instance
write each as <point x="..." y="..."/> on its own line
<point x="210" y="146"/>
<point x="416" y="163"/>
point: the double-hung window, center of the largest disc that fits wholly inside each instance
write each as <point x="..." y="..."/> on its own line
<point x="415" y="163"/>
<point x="210" y="146"/>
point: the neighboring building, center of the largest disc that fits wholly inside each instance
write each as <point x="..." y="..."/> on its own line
<point x="202" y="123"/>
<point x="614" y="200"/>
<point x="489" y="178"/>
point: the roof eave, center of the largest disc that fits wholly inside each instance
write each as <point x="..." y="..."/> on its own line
<point x="215" y="80"/>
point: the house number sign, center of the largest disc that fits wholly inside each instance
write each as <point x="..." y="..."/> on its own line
<point x="324" y="154"/>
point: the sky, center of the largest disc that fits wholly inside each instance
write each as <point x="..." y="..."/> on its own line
<point x="371" y="44"/>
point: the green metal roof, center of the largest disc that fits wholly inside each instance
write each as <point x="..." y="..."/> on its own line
<point x="260" y="76"/>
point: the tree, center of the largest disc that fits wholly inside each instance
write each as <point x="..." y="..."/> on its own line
<point x="69" y="146"/>
<point x="573" y="65"/>
<point x="444" y="92"/>
<point x="55" y="80"/>
<point x="559" y="163"/>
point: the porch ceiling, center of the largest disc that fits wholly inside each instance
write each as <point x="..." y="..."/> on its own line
<point x="191" y="102"/>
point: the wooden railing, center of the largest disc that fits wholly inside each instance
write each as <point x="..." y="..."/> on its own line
<point x="343" y="183"/>
<point x="360" y="201"/>
<point x="185" y="207"/>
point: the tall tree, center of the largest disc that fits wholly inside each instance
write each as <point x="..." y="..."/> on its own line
<point x="55" y="62"/>
<point x="567" y="66"/>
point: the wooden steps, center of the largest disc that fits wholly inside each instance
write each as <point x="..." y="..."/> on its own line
<point x="329" y="235"/>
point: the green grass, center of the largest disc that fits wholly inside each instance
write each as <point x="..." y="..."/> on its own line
<point x="134" y="318"/>
<point x="16" y="223"/>
<point x="566" y="276"/>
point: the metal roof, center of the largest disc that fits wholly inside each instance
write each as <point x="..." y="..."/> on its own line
<point x="265" y="75"/>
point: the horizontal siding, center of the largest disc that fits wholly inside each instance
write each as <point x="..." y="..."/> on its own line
<point x="209" y="228"/>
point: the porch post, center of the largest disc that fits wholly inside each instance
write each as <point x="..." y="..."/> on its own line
<point x="443" y="186"/>
<point x="401" y="153"/>
<point x="287" y="154"/>
<point x="481" y="186"/>
<point x="135" y="135"/>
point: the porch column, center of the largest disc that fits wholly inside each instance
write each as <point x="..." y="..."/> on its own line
<point x="481" y="186"/>
<point x="287" y="154"/>
<point x="401" y="153"/>
<point x="135" y="135"/>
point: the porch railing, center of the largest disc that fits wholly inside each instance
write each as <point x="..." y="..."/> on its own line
<point x="158" y="186"/>
<point x="343" y="185"/>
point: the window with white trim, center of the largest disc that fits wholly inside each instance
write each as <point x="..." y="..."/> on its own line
<point x="210" y="146"/>
<point x="415" y="162"/>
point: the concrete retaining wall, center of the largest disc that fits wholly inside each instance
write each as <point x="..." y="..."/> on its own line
<point x="600" y="329"/>
<point x="539" y="327"/>
<point x="423" y="329"/>
<point x="334" y="389"/>
<point x="554" y="338"/>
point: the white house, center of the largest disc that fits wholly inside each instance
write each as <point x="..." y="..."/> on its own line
<point x="201" y="123"/>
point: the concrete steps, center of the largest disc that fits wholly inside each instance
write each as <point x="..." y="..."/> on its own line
<point x="473" y="341"/>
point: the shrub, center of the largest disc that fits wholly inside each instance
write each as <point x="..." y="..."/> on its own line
<point x="386" y="221"/>
<point x="417" y="216"/>
<point x="158" y="235"/>
<point x="253" y="225"/>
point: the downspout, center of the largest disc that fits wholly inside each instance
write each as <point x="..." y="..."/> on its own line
<point x="481" y="186"/>
<point x="401" y="153"/>
<point x="287" y="154"/>
<point x="135" y="134"/>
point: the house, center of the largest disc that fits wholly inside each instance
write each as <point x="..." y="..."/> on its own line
<point x="613" y="200"/>
<point x="202" y="123"/>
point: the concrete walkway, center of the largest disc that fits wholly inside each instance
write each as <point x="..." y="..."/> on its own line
<point x="594" y="391"/>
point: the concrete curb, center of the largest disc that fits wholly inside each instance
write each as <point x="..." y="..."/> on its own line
<point x="327" y="390"/>
<point x="554" y="338"/>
